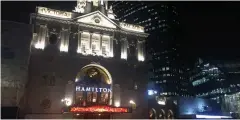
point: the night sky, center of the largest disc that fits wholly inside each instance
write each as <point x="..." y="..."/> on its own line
<point x="210" y="29"/>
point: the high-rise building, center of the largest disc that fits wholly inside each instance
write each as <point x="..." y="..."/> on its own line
<point x="167" y="79"/>
<point x="217" y="80"/>
<point x="208" y="80"/>
<point x="162" y="23"/>
<point x="214" y="79"/>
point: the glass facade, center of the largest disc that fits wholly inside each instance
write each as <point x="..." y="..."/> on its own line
<point x="208" y="80"/>
<point x="160" y="20"/>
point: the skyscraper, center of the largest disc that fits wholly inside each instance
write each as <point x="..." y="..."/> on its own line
<point x="160" y="20"/>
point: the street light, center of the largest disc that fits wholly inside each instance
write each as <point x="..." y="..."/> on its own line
<point x="117" y="104"/>
<point x="133" y="104"/>
<point x="67" y="101"/>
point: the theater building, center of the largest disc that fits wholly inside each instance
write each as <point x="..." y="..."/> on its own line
<point x="85" y="64"/>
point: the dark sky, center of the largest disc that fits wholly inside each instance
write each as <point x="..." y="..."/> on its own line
<point x="211" y="29"/>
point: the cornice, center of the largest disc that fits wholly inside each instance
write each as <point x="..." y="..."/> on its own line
<point x="37" y="16"/>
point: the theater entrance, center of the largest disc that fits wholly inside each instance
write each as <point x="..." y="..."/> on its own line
<point x="93" y="116"/>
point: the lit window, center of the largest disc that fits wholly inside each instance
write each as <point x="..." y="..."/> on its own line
<point x="167" y="68"/>
<point x="163" y="69"/>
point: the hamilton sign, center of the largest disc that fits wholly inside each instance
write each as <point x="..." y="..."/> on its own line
<point x="92" y="89"/>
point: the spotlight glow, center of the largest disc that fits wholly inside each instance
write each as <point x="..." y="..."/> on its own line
<point x="150" y="92"/>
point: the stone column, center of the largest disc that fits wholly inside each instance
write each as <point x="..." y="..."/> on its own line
<point x="111" y="45"/>
<point x="64" y="40"/>
<point x="42" y="34"/>
<point x="90" y="42"/>
<point x="124" y="47"/>
<point x="79" y="42"/>
<point x="100" y="47"/>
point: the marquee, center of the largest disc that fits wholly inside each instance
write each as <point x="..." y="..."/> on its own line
<point x="98" y="109"/>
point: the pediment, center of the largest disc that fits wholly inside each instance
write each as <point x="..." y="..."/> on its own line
<point x="98" y="19"/>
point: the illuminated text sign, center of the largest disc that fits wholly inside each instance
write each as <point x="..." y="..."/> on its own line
<point x="100" y="109"/>
<point x="132" y="27"/>
<point x="55" y="13"/>
<point x="92" y="89"/>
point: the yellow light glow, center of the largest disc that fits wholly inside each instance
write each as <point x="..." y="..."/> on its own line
<point x="104" y="69"/>
<point x="39" y="45"/>
<point x="161" y="102"/>
<point x="67" y="101"/>
<point x="117" y="104"/>
<point x="124" y="55"/>
<point x="64" y="48"/>
<point x="140" y="58"/>
<point x="132" y="102"/>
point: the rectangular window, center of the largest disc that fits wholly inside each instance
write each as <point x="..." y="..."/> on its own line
<point x="104" y="51"/>
<point x="167" y="68"/>
<point x="94" y="97"/>
<point x="163" y="69"/>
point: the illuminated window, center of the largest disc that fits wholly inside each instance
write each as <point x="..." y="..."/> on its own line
<point x="79" y="98"/>
<point x="167" y="68"/>
<point x="94" y="99"/>
<point x="163" y="69"/>
<point x="104" y="51"/>
<point x="93" y="48"/>
<point x="104" y="98"/>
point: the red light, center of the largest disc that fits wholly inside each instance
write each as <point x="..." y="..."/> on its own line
<point x="99" y="109"/>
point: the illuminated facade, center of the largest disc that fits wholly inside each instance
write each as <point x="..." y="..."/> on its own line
<point x="84" y="62"/>
<point x="208" y="80"/>
<point x="231" y="104"/>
